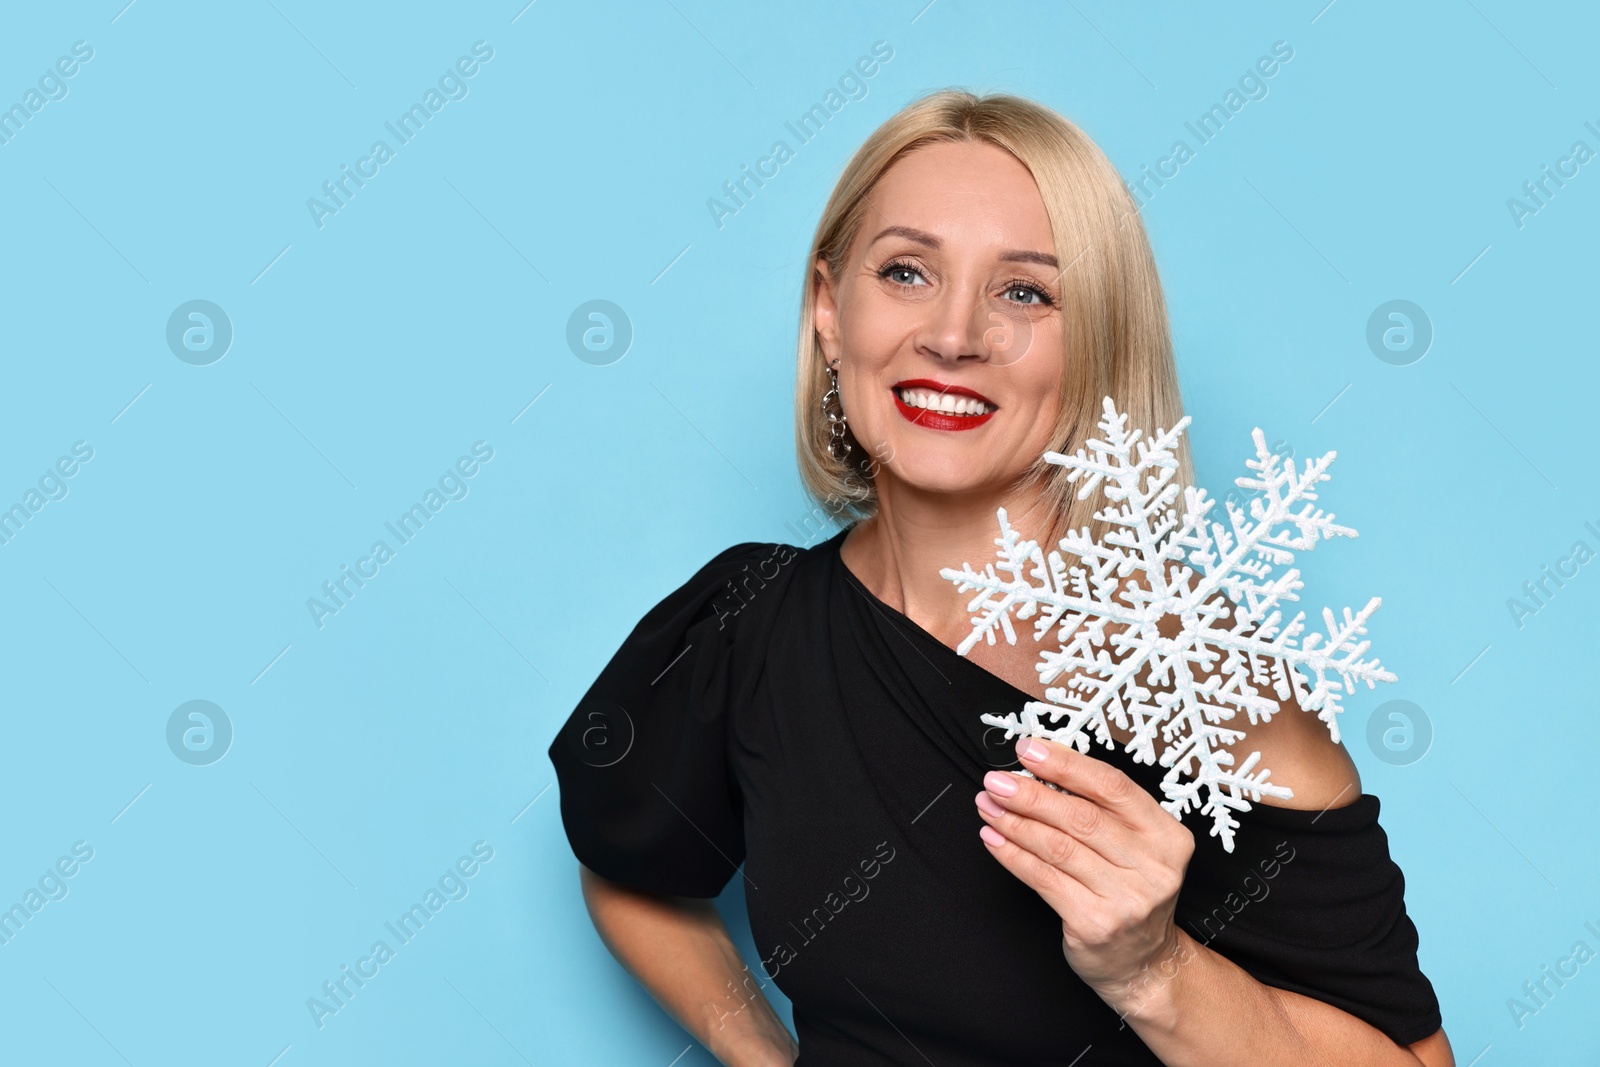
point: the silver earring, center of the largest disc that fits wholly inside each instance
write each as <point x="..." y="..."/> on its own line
<point x="838" y="447"/>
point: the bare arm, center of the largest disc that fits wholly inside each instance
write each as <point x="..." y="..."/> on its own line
<point x="1212" y="1011"/>
<point x="679" y="950"/>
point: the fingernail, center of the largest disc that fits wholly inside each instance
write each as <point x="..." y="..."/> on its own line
<point x="991" y="835"/>
<point x="1029" y="748"/>
<point x="1000" y="784"/>
<point x="987" y="805"/>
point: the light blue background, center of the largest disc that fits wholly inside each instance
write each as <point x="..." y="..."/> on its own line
<point x="426" y="315"/>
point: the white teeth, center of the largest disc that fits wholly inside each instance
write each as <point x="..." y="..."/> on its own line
<point x="948" y="403"/>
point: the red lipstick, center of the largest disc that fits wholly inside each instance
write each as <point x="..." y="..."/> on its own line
<point x="940" y="420"/>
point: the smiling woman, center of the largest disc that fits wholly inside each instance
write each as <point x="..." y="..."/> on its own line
<point x="979" y="280"/>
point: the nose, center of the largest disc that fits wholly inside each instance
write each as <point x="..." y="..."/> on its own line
<point x="956" y="326"/>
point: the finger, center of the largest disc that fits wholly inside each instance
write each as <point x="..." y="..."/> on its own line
<point x="1085" y="864"/>
<point x="1079" y="817"/>
<point x="1099" y="781"/>
<point x="1065" y="894"/>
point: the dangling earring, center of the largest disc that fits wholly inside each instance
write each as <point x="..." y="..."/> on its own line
<point x="838" y="447"/>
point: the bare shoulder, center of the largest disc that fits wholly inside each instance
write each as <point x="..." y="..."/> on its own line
<point x="1297" y="748"/>
<point x="1302" y="755"/>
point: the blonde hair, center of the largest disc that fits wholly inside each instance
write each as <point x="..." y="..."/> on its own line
<point x="1115" y="328"/>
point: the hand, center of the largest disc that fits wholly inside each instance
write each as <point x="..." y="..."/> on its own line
<point x="1107" y="857"/>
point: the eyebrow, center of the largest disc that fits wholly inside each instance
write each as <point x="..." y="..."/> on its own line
<point x="923" y="237"/>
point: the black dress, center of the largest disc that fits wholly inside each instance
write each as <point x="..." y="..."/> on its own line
<point x="772" y="712"/>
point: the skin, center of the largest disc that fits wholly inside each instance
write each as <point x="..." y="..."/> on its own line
<point x="945" y="296"/>
<point x="679" y="949"/>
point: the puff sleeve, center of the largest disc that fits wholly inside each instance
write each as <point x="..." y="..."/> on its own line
<point x="648" y="799"/>
<point x="1312" y="902"/>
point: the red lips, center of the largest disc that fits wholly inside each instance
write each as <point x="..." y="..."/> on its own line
<point x="939" y="420"/>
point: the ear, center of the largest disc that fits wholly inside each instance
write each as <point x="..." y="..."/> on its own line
<point x="825" y="310"/>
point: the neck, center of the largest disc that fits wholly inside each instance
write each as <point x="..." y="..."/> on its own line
<point x="899" y="551"/>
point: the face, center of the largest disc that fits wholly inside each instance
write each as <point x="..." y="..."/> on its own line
<point x="946" y="322"/>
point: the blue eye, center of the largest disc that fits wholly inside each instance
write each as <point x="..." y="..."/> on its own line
<point x="889" y="270"/>
<point x="1020" y="286"/>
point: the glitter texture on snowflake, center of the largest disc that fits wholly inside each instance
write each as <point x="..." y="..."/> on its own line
<point x="1216" y="584"/>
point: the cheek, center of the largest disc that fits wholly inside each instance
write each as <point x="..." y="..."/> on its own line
<point x="1035" y="435"/>
<point x="874" y="330"/>
<point x="871" y="413"/>
<point x="872" y="338"/>
<point x="1042" y="365"/>
<point x="1037" y="379"/>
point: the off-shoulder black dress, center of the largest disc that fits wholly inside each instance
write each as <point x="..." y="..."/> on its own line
<point x="772" y="713"/>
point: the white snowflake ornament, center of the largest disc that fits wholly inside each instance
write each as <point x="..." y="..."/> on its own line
<point x="1232" y="650"/>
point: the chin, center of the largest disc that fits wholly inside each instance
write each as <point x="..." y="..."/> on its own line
<point x="931" y="472"/>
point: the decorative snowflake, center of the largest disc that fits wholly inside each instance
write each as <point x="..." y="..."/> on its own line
<point x="1216" y="580"/>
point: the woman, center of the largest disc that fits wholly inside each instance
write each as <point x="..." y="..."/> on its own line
<point x="981" y="280"/>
